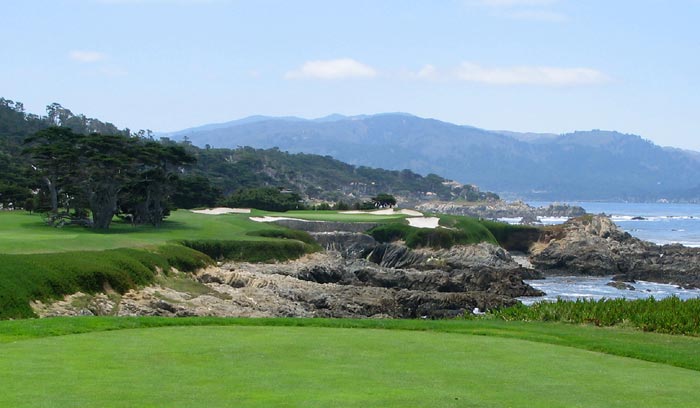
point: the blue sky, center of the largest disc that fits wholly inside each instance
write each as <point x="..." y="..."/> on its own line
<point x="522" y="65"/>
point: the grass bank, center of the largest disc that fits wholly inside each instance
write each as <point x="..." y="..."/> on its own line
<point x="28" y="277"/>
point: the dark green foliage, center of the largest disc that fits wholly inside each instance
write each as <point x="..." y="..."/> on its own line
<point x="513" y="237"/>
<point x="252" y="251"/>
<point x="383" y="200"/>
<point x="194" y="191"/>
<point x="107" y="173"/>
<point x="29" y="277"/>
<point x="267" y="198"/>
<point x="321" y="177"/>
<point x="391" y="232"/>
<point x="670" y="315"/>
<point x="464" y="231"/>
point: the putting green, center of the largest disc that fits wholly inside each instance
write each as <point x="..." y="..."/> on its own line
<point x="320" y="367"/>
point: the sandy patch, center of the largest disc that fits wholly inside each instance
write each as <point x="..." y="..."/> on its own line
<point x="222" y="210"/>
<point x="268" y="218"/>
<point x="388" y="211"/>
<point x="424" y="222"/>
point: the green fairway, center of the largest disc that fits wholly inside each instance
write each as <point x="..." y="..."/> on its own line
<point x="22" y="233"/>
<point x="339" y="216"/>
<point x="312" y="366"/>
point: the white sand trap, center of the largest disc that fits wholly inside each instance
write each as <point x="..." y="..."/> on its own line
<point x="412" y="213"/>
<point x="267" y="218"/>
<point x="388" y="211"/>
<point x="424" y="222"/>
<point x="223" y="210"/>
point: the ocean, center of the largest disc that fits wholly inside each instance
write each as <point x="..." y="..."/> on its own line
<point x="661" y="223"/>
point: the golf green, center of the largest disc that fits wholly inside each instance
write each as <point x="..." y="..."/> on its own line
<point x="241" y="366"/>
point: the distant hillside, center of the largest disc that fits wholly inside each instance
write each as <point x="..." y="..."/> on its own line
<point x="581" y="165"/>
<point x="321" y="177"/>
<point x="221" y="171"/>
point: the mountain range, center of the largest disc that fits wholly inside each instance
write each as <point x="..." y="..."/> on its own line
<point x="583" y="165"/>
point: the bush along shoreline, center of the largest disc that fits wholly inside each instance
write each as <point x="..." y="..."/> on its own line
<point x="670" y="315"/>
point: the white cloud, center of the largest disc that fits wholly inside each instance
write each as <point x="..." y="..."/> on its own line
<point x="515" y="75"/>
<point x="86" y="56"/>
<point x="427" y="72"/>
<point x="343" y="68"/>
<point x="529" y="75"/>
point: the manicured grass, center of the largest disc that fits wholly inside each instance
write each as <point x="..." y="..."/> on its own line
<point x="22" y="233"/>
<point x="337" y="216"/>
<point x="319" y="367"/>
<point x="678" y="351"/>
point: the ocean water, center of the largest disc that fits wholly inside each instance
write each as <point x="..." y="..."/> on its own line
<point x="594" y="287"/>
<point x="661" y="223"/>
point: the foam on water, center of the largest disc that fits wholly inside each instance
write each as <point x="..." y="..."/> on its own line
<point x="593" y="287"/>
<point x="660" y="223"/>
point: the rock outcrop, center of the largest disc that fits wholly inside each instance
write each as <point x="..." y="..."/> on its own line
<point x="359" y="278"/>
<point x="594" y="245"/>
<point x="502" y="209"/>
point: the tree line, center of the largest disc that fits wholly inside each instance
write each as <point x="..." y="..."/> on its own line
<point x="73" y="167"/>
<point x="105" y="174"/>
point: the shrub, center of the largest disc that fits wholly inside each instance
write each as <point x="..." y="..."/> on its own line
<point x="670" y="315"/>
<point x="513" y="237"/>
<point x="464" y="231"/>
<point x="251" y="251"/>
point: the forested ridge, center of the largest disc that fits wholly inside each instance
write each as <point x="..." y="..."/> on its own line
<point x="68" y="163"/>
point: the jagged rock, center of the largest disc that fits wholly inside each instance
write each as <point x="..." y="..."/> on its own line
<point x="594" y="245"/>
<point x="620" y="285"/>
<point x="360" y="278"/>
<point x="350" y="244"/>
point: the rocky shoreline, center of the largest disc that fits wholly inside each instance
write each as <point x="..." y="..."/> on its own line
<point x="357" y="277"/>
<point x="366" y="279"/>
<point x="595" y="246"/>
<point x="501" y="209"/>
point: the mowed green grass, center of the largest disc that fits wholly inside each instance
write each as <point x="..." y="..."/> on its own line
<point x="23" y="233"/>
<point x="272" y="366"/>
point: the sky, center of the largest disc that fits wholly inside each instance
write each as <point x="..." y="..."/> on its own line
<point x="550" y="66"/>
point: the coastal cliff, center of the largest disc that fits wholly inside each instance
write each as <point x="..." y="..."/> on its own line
<point x="594" y="245"/>
<point x="355" y="277"/>
<point x="501" y="209"/>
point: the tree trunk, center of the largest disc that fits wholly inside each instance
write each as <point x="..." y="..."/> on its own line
<point x="53" y="194"/>
<point x="103" y="204"/>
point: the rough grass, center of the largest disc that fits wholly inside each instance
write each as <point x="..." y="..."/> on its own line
<point x="456" y="363"/>
<point x="669" y="315"/>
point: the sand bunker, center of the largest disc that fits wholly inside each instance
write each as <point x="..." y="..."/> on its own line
<point x="424" y="222"/>
<point x="268" y="218"/>
<point x="388" y="211"/>
<point x="223" y="210"/>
